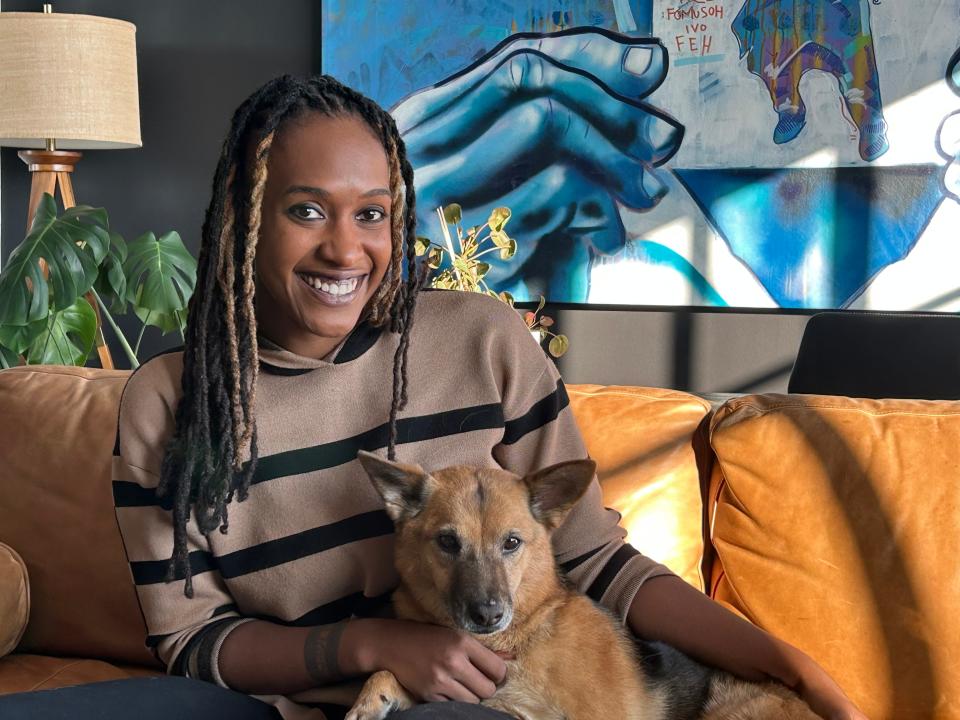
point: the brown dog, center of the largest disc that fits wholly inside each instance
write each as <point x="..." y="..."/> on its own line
<point x="473" y="553"/>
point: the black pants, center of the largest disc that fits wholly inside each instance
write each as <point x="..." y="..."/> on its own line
<point x="178" y="698"/>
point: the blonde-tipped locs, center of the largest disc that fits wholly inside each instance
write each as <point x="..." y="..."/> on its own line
<point x="212" y="455"/>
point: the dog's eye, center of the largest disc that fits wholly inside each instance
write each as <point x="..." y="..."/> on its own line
<point x="511" y="544"/>
<point x="449" y="543"/>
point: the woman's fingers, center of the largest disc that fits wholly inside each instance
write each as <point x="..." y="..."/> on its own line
<point x="490" y="667"/>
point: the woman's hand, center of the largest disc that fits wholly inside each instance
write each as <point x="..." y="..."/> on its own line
<point x="434" y="663"/>
<point x="823" y="695"/>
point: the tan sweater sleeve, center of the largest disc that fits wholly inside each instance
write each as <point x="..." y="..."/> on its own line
<point x="185" y="633"/>
<point x="541" y="431"/>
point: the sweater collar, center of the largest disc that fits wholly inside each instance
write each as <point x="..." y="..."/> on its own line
<point x="276" y="360"/>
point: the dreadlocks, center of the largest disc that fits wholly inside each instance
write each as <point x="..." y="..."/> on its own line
<point x="203" y="465"/>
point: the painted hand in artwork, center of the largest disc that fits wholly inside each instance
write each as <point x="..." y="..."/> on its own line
<point x="783" y="39"/>
<point x="554" y="127"/>
<point x="948" y="136"/>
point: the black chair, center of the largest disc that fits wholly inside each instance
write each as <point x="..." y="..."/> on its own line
<point x="879" y="355"/>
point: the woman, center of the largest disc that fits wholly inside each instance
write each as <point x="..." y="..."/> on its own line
<point x="304" y="305"/>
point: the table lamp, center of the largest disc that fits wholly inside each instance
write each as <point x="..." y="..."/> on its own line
<point x="67" y="82"/>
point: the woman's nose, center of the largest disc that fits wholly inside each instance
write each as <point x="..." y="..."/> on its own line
<point x="341" y="244"/>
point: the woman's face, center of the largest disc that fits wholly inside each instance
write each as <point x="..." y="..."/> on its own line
<point x="324" y="242"/>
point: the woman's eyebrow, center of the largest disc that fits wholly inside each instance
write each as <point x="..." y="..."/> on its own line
<point x="310" y="190"/>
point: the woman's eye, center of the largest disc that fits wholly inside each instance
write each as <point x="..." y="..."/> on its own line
<point x="305" y="212"/>
<point x="511" y="544"/>
<point x="448" y="543"/>
<point x="372" y="215"/>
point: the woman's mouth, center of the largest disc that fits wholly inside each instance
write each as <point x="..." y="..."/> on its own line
<point x="331" y="291"/>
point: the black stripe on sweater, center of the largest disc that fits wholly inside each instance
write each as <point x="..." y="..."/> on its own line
<point x="303" y="544"/>
<point x="340" y="452"/>
<point x="356" y="604"/>
<point x="149" y="572"/>
<point x="154" y="640"/>
<point x="613" y="567"/>
<point x="202" y="644"/>
<point x="542" y="413"/>
<point x="580" y="559"/>
<point x="277" y="370"/>
<point x="273" y="552"/>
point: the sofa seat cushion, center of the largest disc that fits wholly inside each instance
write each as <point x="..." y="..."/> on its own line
<point x="641" y="439"/>
<point x="56" y="509"/>
<point x="24" y="673"/>
<point x="14" y="599"/>
<point x="835" y="527"/>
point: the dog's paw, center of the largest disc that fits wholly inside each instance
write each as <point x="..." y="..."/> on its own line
<point x="374" y="707"/>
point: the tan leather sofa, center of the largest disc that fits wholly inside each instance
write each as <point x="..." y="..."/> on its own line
<point x="832" y="522"/>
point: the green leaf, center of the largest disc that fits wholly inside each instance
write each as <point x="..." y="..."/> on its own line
<point x="435" y="257"/>
<point x="111" y="283"/>
<point x="67" y="338"/>
<point x="72" y="246"/>
<point x="17" y="338"/>
<point x="462" y="265"/>
<point x="452" y="213"/>
<point x="559" y="344"/>
<point x="507" y="298"/>
<point x="541" y="304"/>
<point x="482" y="269"/>
<point x="509" y="251"/>
<point x="498" y="218"/>
<point x="8" y="358"/>
<point x="161" y="274"/>
<point x="167" y="322"/>
<point x="421" y="245"/>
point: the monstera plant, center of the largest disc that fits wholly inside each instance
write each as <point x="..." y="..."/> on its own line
<point x="465" y="270"/>
<point x="68" y="261"/>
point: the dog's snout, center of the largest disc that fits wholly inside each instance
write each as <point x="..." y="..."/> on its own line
<point x="487" y="612"/>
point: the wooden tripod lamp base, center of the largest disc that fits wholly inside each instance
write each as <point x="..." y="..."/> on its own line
<point x="50" y="169"/>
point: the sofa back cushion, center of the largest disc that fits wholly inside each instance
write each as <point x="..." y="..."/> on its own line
<point x="642" y="441"/>
<point x="57" y="430"/>
<point x="835" y="526"/>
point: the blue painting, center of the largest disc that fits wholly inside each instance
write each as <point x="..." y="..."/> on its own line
<point x="748" y="153"/>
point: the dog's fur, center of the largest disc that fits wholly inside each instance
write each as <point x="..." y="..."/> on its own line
<point x="571" y="659"/>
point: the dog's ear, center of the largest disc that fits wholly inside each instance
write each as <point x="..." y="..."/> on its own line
<point x="555" y="489"/>
<point x="404" y="488"/>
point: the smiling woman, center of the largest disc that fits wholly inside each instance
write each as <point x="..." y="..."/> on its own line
<point x="325" y="240"/>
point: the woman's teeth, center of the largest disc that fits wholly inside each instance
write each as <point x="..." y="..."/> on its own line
<point x="339" y="287"/>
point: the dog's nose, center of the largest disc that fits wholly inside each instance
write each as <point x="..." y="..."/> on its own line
<point x="486" y="613"/>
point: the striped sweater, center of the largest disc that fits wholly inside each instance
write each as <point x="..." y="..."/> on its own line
<point x="312" y="544"/>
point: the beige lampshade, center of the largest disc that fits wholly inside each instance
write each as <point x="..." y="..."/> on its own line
<point x="72" y="78"/>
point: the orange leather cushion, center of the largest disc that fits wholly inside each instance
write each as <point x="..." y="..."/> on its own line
<point x="56" y="508"/>
<point x="641" y="441"/>
<point x="23" y="673"/>
<point x="14" y="599"/>
<point x="837" y="528"/>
